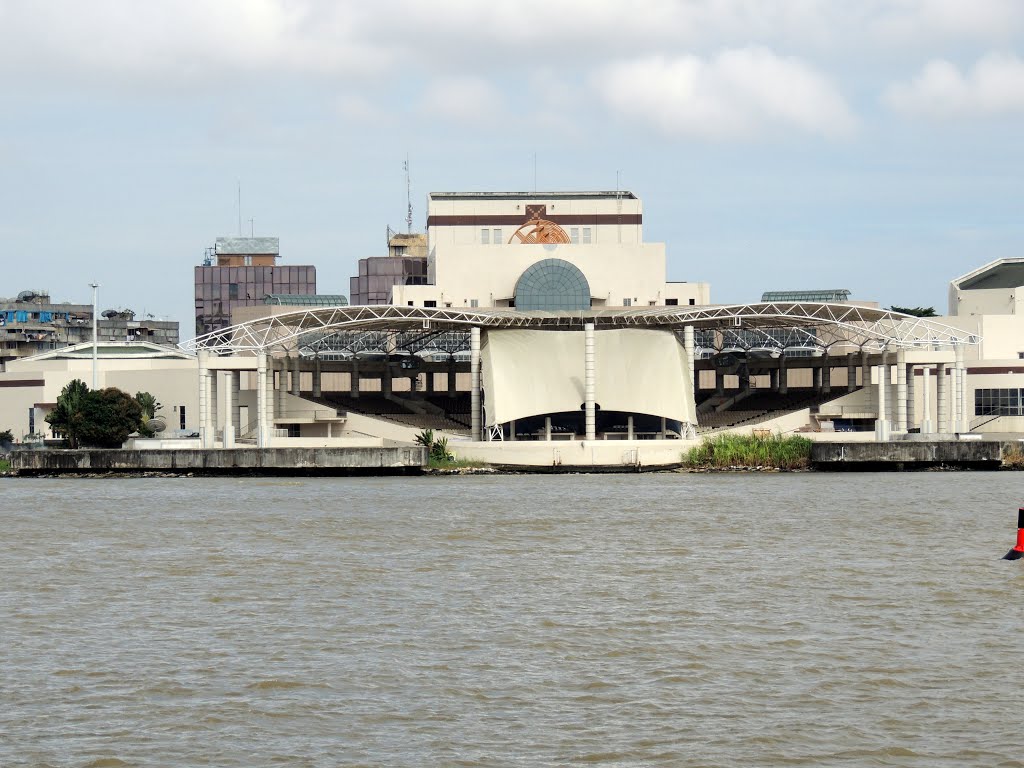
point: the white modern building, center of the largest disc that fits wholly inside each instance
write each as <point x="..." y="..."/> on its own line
<point x="543" y="251"/>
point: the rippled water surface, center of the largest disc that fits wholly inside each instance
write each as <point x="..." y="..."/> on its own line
<point x="678" y="620"/>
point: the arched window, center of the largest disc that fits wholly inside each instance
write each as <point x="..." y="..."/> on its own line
<point x="552" y="284"/>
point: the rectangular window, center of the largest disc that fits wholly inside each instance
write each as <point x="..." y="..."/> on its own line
<point x="181" y="416"/>
<point x="410" y="303"/>
<point x="692" y="302"/>
<point x="627" y="302"/>
<point x="31" y="421"/>
<point x="497" y="237"/>
<point x="586" y="235"/>
<point x="485" y="237"/>
<point x="232" y="290"/>
<point x="671" y="302"/>
<point x="474" y="303"/>
<point x="998" y="402"/>
<point x="429" y="303"/>
<point x="574" y="235"/>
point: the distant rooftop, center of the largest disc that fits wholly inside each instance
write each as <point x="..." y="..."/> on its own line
<point x="248" y="246"/>
<point x="834" y="294"/>
<point x="1002" y="273"/>
<point x="112" y="350"/>
<point x="620" y="195"/>
<point x="299" y="300"/>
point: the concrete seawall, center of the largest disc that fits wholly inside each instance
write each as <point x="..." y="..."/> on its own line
<point x="398" y="460"/>
<point x="901" y="455"/>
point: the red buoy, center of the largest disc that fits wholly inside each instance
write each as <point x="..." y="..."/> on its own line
<point x="1018" y="551"/>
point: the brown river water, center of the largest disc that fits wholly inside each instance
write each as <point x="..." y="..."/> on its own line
<point x="665" y="619"/>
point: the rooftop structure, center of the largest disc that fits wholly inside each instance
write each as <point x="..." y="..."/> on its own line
<point x="837" y="294"/>
<point x="32" y="323"/>
<point x="993" y="289"/>
<point x="246" y="271"/>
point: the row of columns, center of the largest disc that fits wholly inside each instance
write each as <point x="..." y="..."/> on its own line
<point x="951" y="396"/>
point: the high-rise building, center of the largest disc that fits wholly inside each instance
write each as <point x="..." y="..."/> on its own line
<point x="240" y="272"/>
<point x="405" y="264"/>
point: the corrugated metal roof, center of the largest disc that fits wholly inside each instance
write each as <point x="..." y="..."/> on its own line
<point x="248" y="246"/>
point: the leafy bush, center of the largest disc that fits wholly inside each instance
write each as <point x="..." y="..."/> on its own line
<point x="775" y="451"/>
<point x="437" y="449"/>
<point x="101" y="418"/>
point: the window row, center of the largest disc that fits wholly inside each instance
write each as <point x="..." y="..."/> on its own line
<point x="486" y="236"/>
<point x="998" y="402"/>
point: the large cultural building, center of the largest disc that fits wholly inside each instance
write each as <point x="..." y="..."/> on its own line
<point x="540" y="251"/>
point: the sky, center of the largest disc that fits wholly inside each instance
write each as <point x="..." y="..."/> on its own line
<point x="789" y="145"/>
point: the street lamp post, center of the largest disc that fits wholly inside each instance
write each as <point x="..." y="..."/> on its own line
<point x="94" y="286"/>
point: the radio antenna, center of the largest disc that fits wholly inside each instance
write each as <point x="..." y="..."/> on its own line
<point x="408" y="197"/>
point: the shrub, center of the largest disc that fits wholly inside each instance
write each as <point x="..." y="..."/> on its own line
<point x="775" y="451"/>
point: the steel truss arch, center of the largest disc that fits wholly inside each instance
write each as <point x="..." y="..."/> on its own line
<point x="829" y="325"/>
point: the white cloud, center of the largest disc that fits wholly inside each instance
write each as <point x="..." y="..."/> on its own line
<point x="466" y="99"/>
<point x="994" y="86"/>
<point x="910" y="21"/>
<point x="738" y="93"/>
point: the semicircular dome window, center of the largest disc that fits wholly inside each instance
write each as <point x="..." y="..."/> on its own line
<point x="552" y="284"/>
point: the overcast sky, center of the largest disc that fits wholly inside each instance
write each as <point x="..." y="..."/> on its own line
<point x="799" y="144"/>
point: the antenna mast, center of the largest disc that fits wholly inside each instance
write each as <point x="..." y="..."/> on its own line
<point x="239" y="208"/>
<point x="408" y="197"/>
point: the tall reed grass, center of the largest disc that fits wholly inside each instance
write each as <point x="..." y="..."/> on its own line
<point x="775" y="451"/>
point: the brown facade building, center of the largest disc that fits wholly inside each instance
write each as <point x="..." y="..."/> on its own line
<point x="241" y="272"/>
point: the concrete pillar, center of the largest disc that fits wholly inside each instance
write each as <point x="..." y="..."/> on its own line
<point x="317" y="378"/>
<point x="691" y="350"/>
<point x="512" y="430"/>
<point x="816" y="376"/>
<point x="282" y="384"/>
<point x="589" y="381"/>
<point x="901" y="391"/>
<point x="783" y="375"/>
<point x="912" y="419"/>
<point x="205" y="428"/>
<point x="385" y="379"/>
<point x="851" y="371"/>
<point x="773" y="379"/>
<point x="353" y="380"/>
<point x="230" y="414"/>
<point x="262" y="391"/>
<point x="429" y="381"/>
<point x="451" y="378"/>
<point x="296" y="376"/>
<point x="826" y="374"/>
<point x="664" y="428"/>
<point x="719" y="382"/>
<point x="629" y="427"/>
<point x="881" y="424"/>
<point x="214" y="401"/>
<point x="547" y="428"/>
<point x="963" y="391"/>
<point x="926" y="406"/>
<point x="942" y="399"/>
<point x="954" y="398"/>
<point x="474" y="373"/>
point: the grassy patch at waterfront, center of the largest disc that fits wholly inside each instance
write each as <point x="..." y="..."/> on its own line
<point x="453" y="463"/>
<point x="775" y="451"/>
<point x="4" y="465"/>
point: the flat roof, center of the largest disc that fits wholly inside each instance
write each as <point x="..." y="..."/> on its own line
<point x="248" y="246"/>
<point x="622" y="194"/>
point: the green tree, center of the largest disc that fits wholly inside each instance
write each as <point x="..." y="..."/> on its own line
<point x="66" y="418"/>
<point x="915" y="311"/>
<point x="149" y="406"/>
<point x="108" y="417"/>
<point x="6" y="438"/>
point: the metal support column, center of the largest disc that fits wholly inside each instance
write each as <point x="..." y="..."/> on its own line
<point x="474" y="373"/>
<point x="589" y="380"/>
